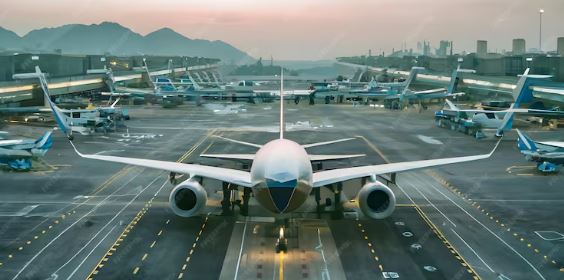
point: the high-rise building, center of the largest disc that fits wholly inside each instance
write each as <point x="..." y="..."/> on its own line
<point x="560" y="46"/>
<point x="443" y="47"/>
<point x="518" y="46"/>
<point x="482" y="48"/>
<point x="426" y="48"/>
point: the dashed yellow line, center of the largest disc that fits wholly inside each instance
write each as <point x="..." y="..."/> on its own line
<point x="370" y="246"/>
<point x="449" y="186"/>
<point x="102" y="186"/>
<point x="447" y="243"/>
<point x="191" y="252"/>
<point x="139" y="215"/>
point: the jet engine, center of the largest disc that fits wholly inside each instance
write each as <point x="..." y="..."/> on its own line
<point x="188" y="198"/>
<point x="376" y="200"/>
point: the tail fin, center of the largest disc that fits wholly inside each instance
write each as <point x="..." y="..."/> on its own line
<point x="372" y="84"/>
<point x="60" y="117"/>
<point x="413" y="75"/>
<point x="110" y="80"/>
<point x="44" y="142"/>
<point x="149" y="73"/>
<point x="455" y="79"/>
<point x="520" y="93"/>
<point x="194" y="83"/>
<point x="282" y="123"/>
<point x="525" y="143"/>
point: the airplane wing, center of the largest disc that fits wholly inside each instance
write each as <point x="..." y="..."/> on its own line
<point x="252" y="156"/>
<point x="238" y="177"/>
<point x="323" y="178"/>
<point x="429" y="91"/>
<point x="553" y="144"/>
<point x="14" y="153"/>
<point x="513" y="110"/>
<point x="287" y="92"/>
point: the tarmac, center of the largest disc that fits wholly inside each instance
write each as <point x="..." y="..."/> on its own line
<point x="74" y="218"/>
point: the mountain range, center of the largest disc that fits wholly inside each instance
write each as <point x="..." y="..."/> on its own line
<point x="115" y="39"/>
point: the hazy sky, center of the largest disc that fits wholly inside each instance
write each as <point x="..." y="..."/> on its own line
<point x="309" y="29"/>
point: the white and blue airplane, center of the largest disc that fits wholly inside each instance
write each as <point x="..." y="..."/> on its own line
<point x="281" y="176"/>
<point x="18" y="153"/>
<point x="547" y="154"/>
<point x="502" y="120"/>
<point x="377" y="89"/>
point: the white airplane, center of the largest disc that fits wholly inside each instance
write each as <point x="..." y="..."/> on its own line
<point x="547" y="154"/>
<point x="502" y="120"/>
<point x="83" y="121"/>
<point x="17" y="153"/>
<point x="281" y="175"/>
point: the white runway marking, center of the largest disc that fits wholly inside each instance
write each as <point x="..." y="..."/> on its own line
<point x="429" y="140"/>
<point x="550" y="235"/>
<point x="472" y="249"/>
<point x="241" y="250"/>
<point x="492" y="233"/>
<point x="28" y="263"/>
<point x="24" y="211"/>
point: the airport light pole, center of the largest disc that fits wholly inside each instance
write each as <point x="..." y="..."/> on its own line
<point x="541" y="11"/>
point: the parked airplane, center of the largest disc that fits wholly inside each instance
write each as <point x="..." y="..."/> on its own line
<point x="547" y="155"/>
<point x="18" y="153"/>
<point x="281" y="176"/>
<point x="501" y="120"/>
<point x="408" y="96"/>
<point x="83" y="121"/>
<point x="376" y="89"/>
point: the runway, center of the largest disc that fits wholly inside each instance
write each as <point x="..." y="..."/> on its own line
<point x="85" y="219"/>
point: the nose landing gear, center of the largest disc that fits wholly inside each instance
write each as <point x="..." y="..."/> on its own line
<point x="281" y="242"/>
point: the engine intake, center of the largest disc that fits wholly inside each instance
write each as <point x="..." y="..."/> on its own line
<point x="188" y="198"/>
<point x="376" y="200"/>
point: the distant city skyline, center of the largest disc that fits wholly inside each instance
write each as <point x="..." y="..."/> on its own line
<point x="310" y="30"/>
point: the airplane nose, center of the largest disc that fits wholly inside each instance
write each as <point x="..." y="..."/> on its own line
<point x="281" y="197"/>
<point x="281" y="192"/>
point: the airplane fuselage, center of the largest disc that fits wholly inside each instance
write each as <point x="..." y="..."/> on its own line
<point x="282" y="176"/>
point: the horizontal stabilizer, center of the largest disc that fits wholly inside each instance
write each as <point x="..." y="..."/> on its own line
<point x="230" y="156"/>
<point x="238" y="142"/>
<point x="326" y="143"/>
<point x="553" y="144"/>
<point x="252" y="157"/>
<point x="332" y="157"/>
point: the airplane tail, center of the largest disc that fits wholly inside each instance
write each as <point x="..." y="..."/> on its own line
<point x="372" y="84"/>
<point x="520" y="93"/>
<point x="195" y="84"/>
<point x="44" y="142"/>
<point x="524" y="143"/>
<point x="110" y="81"/>
<point x="282" y="123"/>
<point x="455" y="79"/>
<point x="60" y="117"/>
<point x="413" y="75"/>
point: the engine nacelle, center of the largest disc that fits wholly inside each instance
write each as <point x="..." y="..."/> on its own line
<point x="376" y="200"/>
<point x="188" y="198"/>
